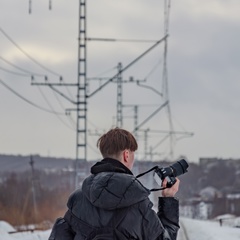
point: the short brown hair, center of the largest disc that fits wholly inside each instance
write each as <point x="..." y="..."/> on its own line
<point x="115" y="141"/>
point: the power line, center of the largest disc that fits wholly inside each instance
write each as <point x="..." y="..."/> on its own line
<point x="149" y="117"/>
<point x="120" y="40"/>
<point x="21" y="69"/>
<point x="28" y="101"/>
<point x="66" y="112"/>
<point x="149" y="87"/>
<point x="35" y="105"/>
<point x="154" y="68"/>
<point x="30" y="73"/>
<point x="129" y="65"/>
<point x="45" y="98"/>
<point x="51" y="107"/>
<point x="15" y="73"/>
<point x="27" y="55"/>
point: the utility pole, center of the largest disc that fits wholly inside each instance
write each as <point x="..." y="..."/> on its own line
<point x="165" y="77"/>
<point x="136" y="120"/>
<point x="135" y="116"/>
<point x="81" y="148"/>
<point x="146" y="143"/>
<point x="119" y="96"/>
<point x="33" y="190"/>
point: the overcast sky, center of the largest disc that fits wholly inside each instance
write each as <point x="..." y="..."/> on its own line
<point x="203" y="75"/>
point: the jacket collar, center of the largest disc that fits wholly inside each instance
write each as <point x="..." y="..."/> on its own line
<point x="110" y="165"/>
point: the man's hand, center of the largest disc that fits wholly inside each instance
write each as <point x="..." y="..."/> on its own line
<point x="170" y="192"/>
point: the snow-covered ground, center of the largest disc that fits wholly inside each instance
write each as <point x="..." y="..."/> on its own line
<point x="190" y="230"/>
<point x="6" y="229"/>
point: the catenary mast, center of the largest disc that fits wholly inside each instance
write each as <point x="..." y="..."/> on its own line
<point x="167" y="4"/>
<point x="81" y="143"/>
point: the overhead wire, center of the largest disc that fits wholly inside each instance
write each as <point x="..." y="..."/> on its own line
<point x="119" y="40"/>
<point x="45" y="98"/>
<point x="27" y="55"/>
<point x="32" y="76"/>
<point x="128" y="66"/>
<point x="33" y="59"/>
<point x="21" y="69"/>
<point x="68" y="115"/>
<point x="28" y="101"/>
<point x="15" y="73"/>
<point x="104" y="72"/>
<point x="154" y="68"/>
<point x="99" y="77"/>
<point x="51" y="107"/>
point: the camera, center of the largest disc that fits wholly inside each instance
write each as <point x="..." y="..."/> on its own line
<point x="171" y="172"/>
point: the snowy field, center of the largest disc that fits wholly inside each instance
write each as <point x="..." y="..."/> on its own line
<point x="206" y="230"/>
<point x="5" y="230"/>
<point x="190" y="230"/>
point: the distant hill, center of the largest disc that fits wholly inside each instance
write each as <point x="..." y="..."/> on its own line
<point x="19" y="163"/>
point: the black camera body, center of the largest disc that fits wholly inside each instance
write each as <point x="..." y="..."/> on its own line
<point x="171" y="172"/>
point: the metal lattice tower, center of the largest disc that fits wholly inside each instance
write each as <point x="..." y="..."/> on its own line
<point x="119" y="97"/>
<point x="81" y="143"/>
<point x="136" y="120"/>
<point x="165" y="75"/>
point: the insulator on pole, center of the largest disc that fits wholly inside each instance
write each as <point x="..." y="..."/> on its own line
<point x="50" y="5"/>
<point x="30" y="7"/>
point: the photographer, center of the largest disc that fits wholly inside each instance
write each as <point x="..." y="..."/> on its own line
<point x="111" y="197"/>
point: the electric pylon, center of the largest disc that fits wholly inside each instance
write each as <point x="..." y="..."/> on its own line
<point x="119" y="97"/>
<point x="165" y="92"/>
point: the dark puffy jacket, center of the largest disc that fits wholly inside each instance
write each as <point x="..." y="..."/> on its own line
<point x="112" y="186"/>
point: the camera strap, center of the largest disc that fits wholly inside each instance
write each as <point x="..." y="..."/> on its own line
<point x="141" y="174"/>
<point x="150" y="170"/>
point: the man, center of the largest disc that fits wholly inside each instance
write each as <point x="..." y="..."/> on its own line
<point x="111" y="194"/>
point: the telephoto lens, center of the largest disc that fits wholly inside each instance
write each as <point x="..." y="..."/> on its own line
<point x="179" y="168"/>
<point x="171" y="172"/>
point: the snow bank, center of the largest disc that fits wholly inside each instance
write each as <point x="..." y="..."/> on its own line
<point x="200" y="230"/>
<point x="36" y="235"/>
<point x="6" y="228"/>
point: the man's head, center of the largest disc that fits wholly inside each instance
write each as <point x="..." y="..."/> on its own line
<point x="119" y="144"/>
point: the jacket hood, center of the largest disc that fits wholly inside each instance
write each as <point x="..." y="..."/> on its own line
<point x="113" y="187"/>
<point x="110" y="165"/>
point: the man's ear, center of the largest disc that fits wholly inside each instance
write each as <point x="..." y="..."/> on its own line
<point x="125" y="155"/>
